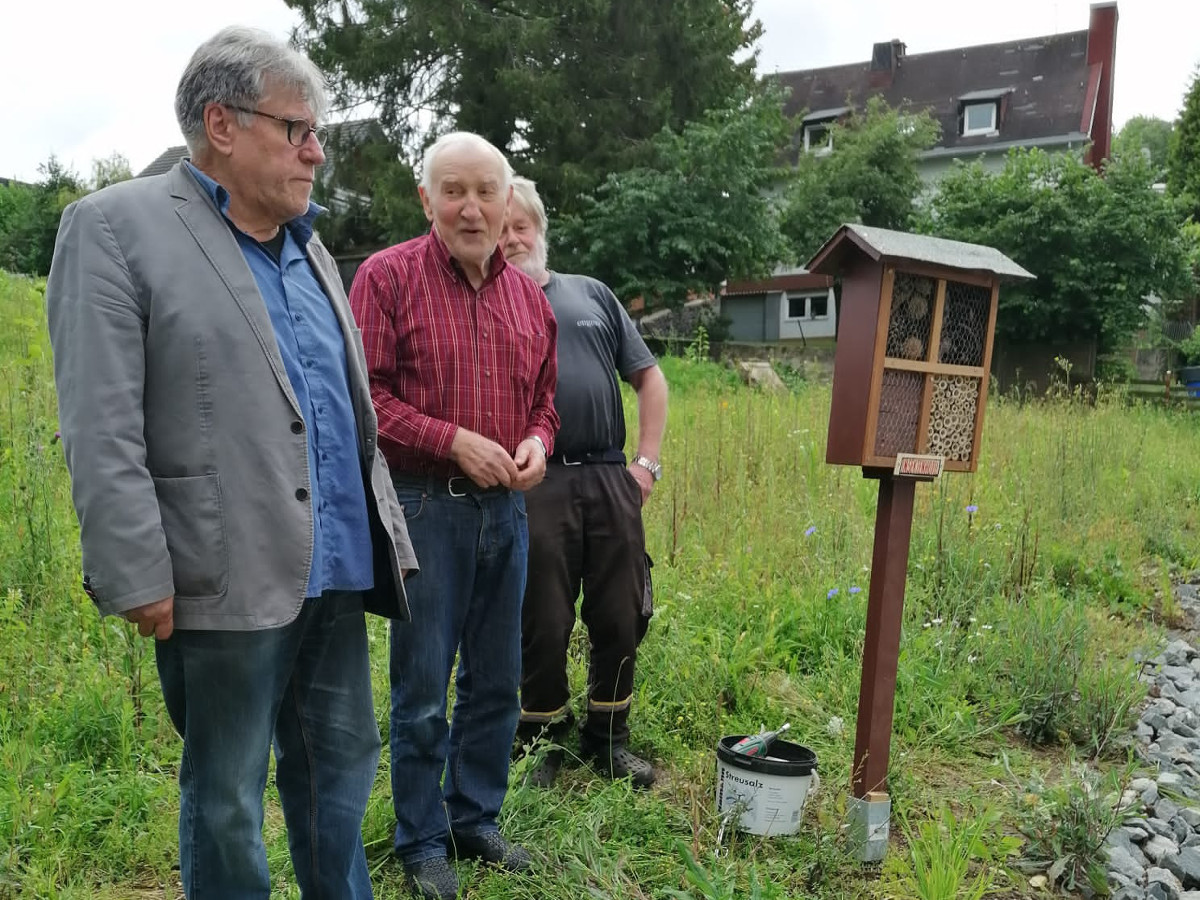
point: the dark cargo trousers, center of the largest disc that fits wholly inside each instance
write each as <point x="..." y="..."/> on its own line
<point x="585" y="532"/>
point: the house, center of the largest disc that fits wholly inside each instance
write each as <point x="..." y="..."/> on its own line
<point x="1053" y="92"/>
<point x="791" y="305"/>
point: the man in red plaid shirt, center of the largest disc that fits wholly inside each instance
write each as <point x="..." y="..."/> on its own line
<point x="460" y="348"/>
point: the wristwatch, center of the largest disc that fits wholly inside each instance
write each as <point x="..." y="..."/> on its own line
<point x="654" y="468"/>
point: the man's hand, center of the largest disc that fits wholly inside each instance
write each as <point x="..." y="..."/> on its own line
<point x="483" y="461"/>
<point x="531" y="465"/>
<point x="156" y="619"/>
<point x="644" y="479"/>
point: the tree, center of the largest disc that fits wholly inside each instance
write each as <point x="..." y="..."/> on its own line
<point x="1146" y="134"/>
<point x="368" y="189"/>
<point x="110" y="170"/>
<point x="29" y="217"/>
<point x="571" y="91"/>
<point x="1099" y="246"/>
<point x="699" y="213"/>
<point x="1183" y="158"/>
<point x="870" y="176"/>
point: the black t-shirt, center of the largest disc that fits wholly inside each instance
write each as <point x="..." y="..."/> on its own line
<point x="596" y="341"/>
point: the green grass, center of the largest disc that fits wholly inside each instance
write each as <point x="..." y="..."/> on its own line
<point x="1020" y="622"/>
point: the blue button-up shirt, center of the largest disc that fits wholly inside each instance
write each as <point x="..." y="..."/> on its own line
<point x="314" y="356"/>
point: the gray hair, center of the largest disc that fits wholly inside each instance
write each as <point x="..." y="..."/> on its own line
<point x="525" y="195"/>
<point x="462" y="140"/>
<point x="233" y="67"/>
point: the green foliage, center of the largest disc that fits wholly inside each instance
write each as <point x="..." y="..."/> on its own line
<point x="1146" y="135"/>
<point x="870" y="177"/>
<point x="1183" y="157"/>
<point x="112" y="169"/>
<point x="751" y="533"/>
<point x="697" y="214"/>
<point x="369" y="191"/>
<point x="29" y="217"/>
<point x="1065" y="823"/>
<point x="943" y="849"/>
<point x="1098" y="246"/>
<point x="573" y="91"/>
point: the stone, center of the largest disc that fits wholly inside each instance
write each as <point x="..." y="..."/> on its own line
<point x="1177" y="653"/>
<point x="1038" y="882"/>
<point x="1155" y="720"/>
<point x="1185" y="866"/>
<point x="1191" y="815"/>
<point x="1163" y="706"/>
<point x="1169" y="781"/>
<point x="1166" y="810"/>
<point x="1145" y="732"/>
<point x="1121" y="862"/>
<point x="1159" y="848"/>
<point x="757" y="373"/>
<point x="1159" y="827"/>
<point x="1181" y="675"/>
<point x="1150" y="796"/>
<point x="1184" y="730"/>
<point x="1132" y="892"/>
<point x="1141" y="784"/>
<point x="1182" y="832"/>
<point x="1192" y="840"/>
<point x="1162" y="885"/>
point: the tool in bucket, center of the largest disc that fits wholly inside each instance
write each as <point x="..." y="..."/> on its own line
<point x="758" y="744"/>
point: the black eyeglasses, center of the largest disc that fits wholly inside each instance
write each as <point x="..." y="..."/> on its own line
<point x="298" y="130"/>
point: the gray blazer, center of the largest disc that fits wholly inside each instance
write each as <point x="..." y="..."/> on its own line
<point x="189" y="468"/>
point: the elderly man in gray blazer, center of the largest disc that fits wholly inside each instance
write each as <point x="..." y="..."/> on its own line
<point x="232" y="500"/>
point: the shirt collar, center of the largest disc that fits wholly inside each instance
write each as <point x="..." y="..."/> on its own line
<point x="301" y="227"/>
<point x="441" y="253"/>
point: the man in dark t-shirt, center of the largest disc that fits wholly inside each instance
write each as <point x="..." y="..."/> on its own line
<point x="585" y="518"/>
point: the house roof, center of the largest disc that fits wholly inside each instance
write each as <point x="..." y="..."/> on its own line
<point x="885" y="245"/>
<point x="165" y="161"/>
<point x="1042" y="84"/>
<point x="783" y="280"/>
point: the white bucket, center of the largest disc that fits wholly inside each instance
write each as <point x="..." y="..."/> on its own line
<point x="770" y="790"/>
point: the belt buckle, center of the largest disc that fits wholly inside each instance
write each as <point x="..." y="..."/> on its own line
<point x="450" y="485"/>
<point x="567" y="462"/>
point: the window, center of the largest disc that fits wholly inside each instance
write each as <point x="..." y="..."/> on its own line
<point x="818" y="138"/>
<point x="815" y="306"/>
<point x="979" y="118"/>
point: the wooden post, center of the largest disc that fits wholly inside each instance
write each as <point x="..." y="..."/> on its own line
<point x="881" y="653"/>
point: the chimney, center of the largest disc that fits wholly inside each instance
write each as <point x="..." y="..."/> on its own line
<point x="885" y="59"/>
<point x="1101" y="58"/>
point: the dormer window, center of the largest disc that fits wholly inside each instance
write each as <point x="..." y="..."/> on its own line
<point x="979" y="118"/>
<point x="818" y="129"/>
<point x="979" y="111"/>
<point x="818" y="138"/>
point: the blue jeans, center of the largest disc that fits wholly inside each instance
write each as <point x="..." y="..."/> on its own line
<point x="465" y="599"/>
<point x="307" y="685"/>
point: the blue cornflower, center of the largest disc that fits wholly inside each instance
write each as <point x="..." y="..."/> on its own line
<point x="832" y="593"/>
<point x="810" y="530"/>
<point x="972" y="508"/>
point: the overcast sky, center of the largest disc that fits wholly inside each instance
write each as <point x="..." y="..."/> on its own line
<point x="83" y="80"/>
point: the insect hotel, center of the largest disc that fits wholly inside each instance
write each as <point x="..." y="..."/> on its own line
<point x="910" y="384"/>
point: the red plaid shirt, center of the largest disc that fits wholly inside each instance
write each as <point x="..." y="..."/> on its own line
<point x="442" y="355"/>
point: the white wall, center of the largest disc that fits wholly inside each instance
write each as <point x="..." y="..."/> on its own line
<point x="807" y="326"/>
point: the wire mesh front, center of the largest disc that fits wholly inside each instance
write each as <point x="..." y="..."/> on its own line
<point x="899" y="410"/>
<point x="952" y="416"/>
<point x="964" y="324"/>
<point x="911" y="320"/>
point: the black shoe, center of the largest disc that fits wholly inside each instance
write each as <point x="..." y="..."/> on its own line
<point x="620" y="763"/>
<point x="432" y="879"/>
<point x="492" y="848"/>
<point x="545" y="772"/>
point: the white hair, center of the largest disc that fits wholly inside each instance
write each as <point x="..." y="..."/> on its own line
<point x="233" y="68"/>
<point x="525" y="195"/>
<point x="462" y="140"/>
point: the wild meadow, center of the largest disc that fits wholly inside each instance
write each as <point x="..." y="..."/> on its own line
<point x="1035" y="587"/>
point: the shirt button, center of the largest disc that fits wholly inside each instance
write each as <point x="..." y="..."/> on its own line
<point x="301" y="494"/>
<point x="308" y="363"/>
<point x="297" y="427"/>
<point x="298" y="317"/>
<point x="487" y="373"/>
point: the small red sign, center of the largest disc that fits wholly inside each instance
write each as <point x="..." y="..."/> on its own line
<point x="913" y="465"/>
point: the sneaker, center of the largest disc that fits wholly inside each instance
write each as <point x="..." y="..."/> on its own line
<point x="621" y="763"/>
<point x="545" y="772"/>
<point x="432" y="879"/>
<point x="492" y="848"/>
